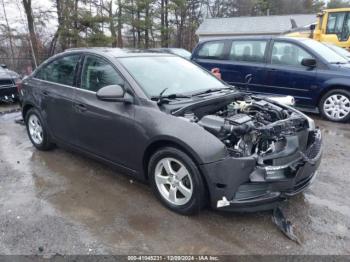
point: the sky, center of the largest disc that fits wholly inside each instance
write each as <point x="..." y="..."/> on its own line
<point x="16" y="16"/>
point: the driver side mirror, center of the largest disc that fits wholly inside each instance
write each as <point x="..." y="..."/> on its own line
<point x="3" y="66"/>
<point x="309" y="62"/>
<point x="114" y="93"/>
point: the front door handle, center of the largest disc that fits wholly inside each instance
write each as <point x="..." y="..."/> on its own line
<point x="80" y="107"/>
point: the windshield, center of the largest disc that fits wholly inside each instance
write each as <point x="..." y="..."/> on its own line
<point x="181" y="52"/>
<point x="325" y="52"/>
<point x="339" y="50"/>
<point x="179" y="76"/>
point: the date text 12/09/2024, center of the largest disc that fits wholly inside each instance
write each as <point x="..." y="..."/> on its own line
<point x="174" y="258"/>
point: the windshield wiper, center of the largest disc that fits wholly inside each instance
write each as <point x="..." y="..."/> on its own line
<point x="339" y="63"/>
<point x="161" y="98"/>
<point x="212" y="90"/>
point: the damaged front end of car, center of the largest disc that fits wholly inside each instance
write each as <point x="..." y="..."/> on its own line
<point x="273" y="152"/>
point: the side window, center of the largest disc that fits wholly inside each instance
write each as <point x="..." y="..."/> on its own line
<point x="60" y="71"/>
<point x="212" y="50"/>
<point x="335" y="23"/>
<point x="345" y="34"/>
<point x="288" y="54"/>
<point x="248" y="51"/>
<point x="98" y="73"/>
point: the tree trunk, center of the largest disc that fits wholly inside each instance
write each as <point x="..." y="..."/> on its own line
<point x="138" y="28"/>
<point x="147" y="25"/>
<point x="75" y="24"/>
<point x="133" y="23"/>
<point x="111" y="24"/>
<point x="9" y="34"/>
<point x="27" y="4"/>
<point x="162" y="23"/>
<point x="120" y="25"/>
<point x="166" y="21"/>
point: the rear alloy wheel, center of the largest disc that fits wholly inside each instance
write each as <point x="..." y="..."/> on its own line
<point x="37" y="130"/>
<point x="176" y="181"/>
<point x="335" y="106"/>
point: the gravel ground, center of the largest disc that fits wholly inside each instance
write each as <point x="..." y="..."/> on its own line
<point x="58" y="202"/>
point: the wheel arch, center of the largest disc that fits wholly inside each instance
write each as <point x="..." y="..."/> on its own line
<point x="26" y="108"/>
<point x="166" y="142"/>
<point x="330" y="88"/>
<point x="161" y="143"/>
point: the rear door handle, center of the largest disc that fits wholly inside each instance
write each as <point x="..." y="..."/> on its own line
<point x="80" y="107"/>
<point x="45" y="93"/>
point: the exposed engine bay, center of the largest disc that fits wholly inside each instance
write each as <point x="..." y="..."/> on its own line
<point x="250" y="126"/>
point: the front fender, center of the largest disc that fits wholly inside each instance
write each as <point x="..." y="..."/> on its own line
<point x="157" y="126"/>
<point x="333" y="83"/>
<point x="343" y="82"/>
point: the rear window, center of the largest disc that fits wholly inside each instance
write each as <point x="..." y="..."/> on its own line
<point x="212" y="50"/>
<point x="60" y="71"/>
<point x="248" y="51"/>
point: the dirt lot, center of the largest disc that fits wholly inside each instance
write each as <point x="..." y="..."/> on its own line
<point x="59" y="202"/>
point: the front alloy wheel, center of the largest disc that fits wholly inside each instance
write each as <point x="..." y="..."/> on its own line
<point x="176" y="181"/>
<point x="173" y="181"/>
<point x="335" y="106"/>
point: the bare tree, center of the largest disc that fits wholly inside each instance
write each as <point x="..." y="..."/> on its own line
<point x="120" y="24"/>
<point x="27" y="4"/>
<point x="9" y="33"/>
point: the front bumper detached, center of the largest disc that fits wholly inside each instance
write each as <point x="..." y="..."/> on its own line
<point x="262" y="187"/>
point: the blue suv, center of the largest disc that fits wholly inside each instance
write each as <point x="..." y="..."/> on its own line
<point x="314" y="74"/>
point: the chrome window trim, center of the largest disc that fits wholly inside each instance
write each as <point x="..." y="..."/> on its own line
<point x="73" y="87"/>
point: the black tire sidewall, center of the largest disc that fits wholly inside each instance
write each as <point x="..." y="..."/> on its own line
<point x="198" y="198"/>
<point x="46" y="144"/>
<point x="327" y="95"/>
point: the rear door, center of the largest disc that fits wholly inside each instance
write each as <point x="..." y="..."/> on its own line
<point x="239" y="61"/>
<point x="246" y="64"/>
<point x="103" y="128"/>
<point x="212" y="54"/>
<point x="285" y="75"/>
<point x="55" y="83"/>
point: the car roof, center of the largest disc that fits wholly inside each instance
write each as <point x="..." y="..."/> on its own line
<point x="256" y="38"/>
<point x="116" y="52"/>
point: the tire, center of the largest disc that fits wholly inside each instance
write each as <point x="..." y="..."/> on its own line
<point x="337" y="102"/>
<point x="37" y="130"/>
<point x="188" y="191"/>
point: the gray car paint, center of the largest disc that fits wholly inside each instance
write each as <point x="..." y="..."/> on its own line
<point x="113" y="131"/>
<point x="124" y="134"/>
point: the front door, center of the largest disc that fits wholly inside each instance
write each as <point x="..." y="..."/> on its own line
<point x="285" y="75"/>
<point x="103" y="128"/>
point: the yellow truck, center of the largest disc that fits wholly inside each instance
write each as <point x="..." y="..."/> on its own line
<point x="332" y="26"/>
